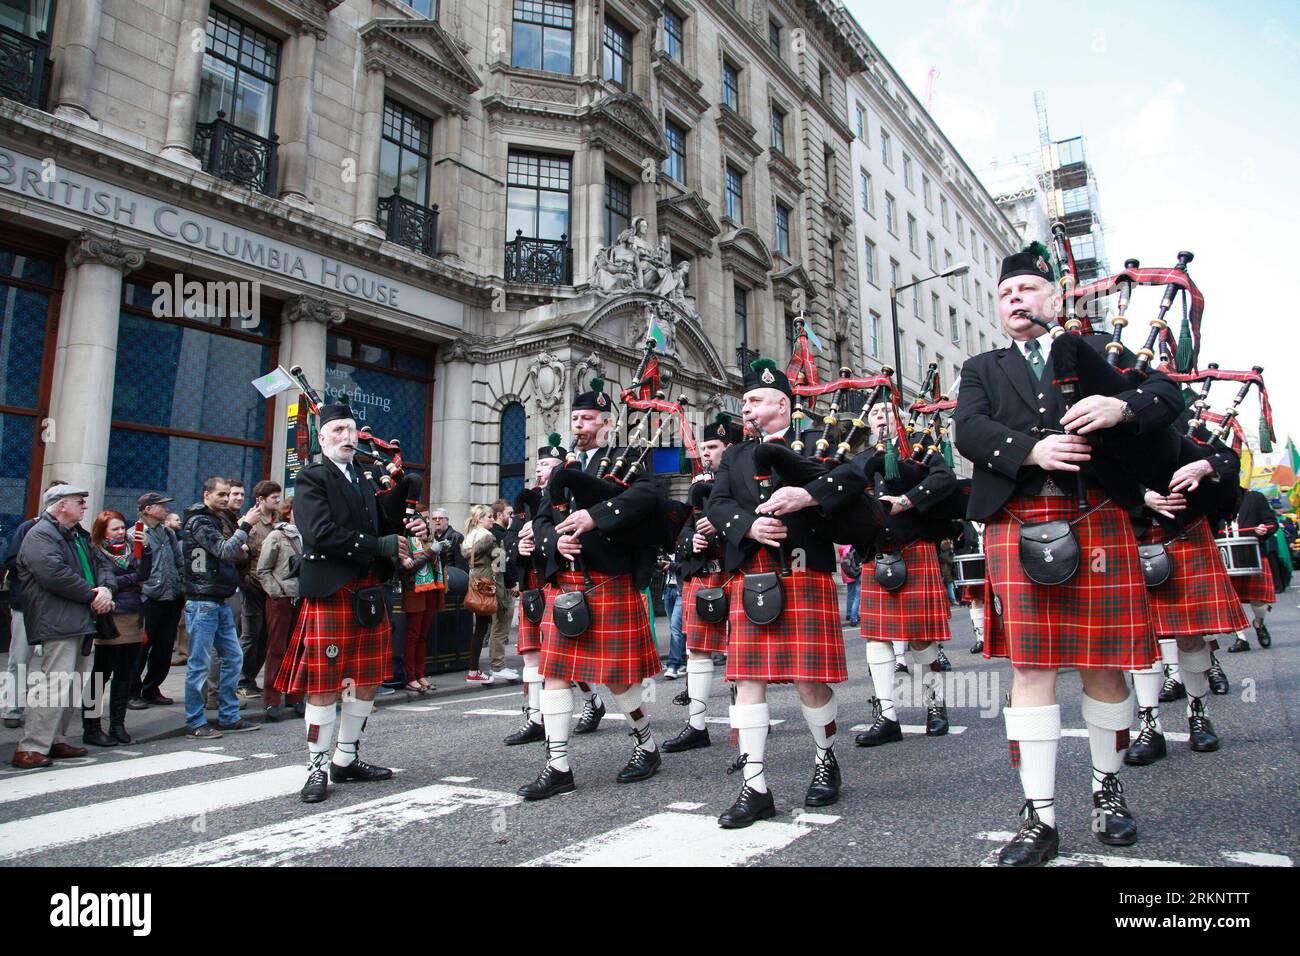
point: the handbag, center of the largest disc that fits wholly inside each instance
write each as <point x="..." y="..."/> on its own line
<point x="891" y="570"/>
<point x="533" y="604"/>
<point x="712" y="605"/>
<point x="1157" y="564"/>
<point x="368" y="606"/>
<point x="481" y="599"/>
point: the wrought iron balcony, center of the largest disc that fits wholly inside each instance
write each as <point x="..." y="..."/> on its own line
<point x="539" y="261"/>
<point x="234" y="154"/>
<point x="744" y="356"/>
<point x="25" y="67"/>
<point x="409" y="224"/>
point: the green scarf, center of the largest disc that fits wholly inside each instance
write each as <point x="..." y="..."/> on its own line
<point x="84" y="557"/>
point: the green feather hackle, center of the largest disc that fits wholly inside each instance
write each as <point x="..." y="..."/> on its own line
<point x="759" y="364"/>
<point x="597" y="385"/>
<point x="553" y="439"/>
<point x="722" y="418"/>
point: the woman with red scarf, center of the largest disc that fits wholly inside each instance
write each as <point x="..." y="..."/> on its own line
<point x="119" y="643"/>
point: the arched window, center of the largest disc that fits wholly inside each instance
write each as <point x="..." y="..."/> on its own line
<point x="513" y="442"/>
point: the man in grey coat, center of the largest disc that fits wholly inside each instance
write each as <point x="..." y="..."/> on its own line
<point x="65" y="585"/>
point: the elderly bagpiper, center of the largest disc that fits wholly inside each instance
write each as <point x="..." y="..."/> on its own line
<point x="786" y="537"/>
<point x="606" y="552"/>
<point x="1256" y="518"/>
<point x="341" y="645"/>
<point x="1029" y="451"/>
<point x="699" y="555"/>
<point x="536" y="595"/>
<point x="916" y="610"/>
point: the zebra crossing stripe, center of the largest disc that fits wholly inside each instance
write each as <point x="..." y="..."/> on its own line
<point x="285" y="842"/>
<point x="97" y="775"/>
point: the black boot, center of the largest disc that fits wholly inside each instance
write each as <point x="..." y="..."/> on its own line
<point x="531" y="732"/>
<point x="550" y="782"/>
<point x="1149" y="746"/>
<point x="936" y="719"/>
<point x="316" y="788"/>
<point x="1262" y="635"/>
<point x="358" y="771"/>
<point x="1116" y="827"/>
<point x="825" y="787"/>
<point x="643" y="763"/>
<point x="688" y="739"/>
<point x="1238" y="646"/>
<point x="683" y="699"/>
<point x="118" y="733"/>
<point x="1172" y="690"/>
<point x="882" y="729"/>
<point x="1200" y="731"/>
<point x="1034" y="843"/>
<point x="978" y="646"/>
<point x="1218" y="679"/>
<point x="944" y="663"/>
<point x="751" y="805"/>
<point x="589" y="719"/>
<point x="93" y="734"/>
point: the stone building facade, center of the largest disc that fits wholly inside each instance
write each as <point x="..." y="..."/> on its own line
<point x="430" y="206"/>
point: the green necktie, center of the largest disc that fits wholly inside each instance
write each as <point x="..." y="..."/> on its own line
<point x="582" y="458"/>
<point x="1034" y="356"/>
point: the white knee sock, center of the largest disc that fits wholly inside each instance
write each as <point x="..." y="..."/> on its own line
<point x="1169" y="654"/>
<point x="750" y="721"/>
<point x="557" y="715"/>
<point x="1146" y="686"/>
<point x="821" y="721"/>
<point x="1106" y="722"/>
<point x="926" y="661"/>
<point x="319" y="719"/>
<point x="699" y="679"/>
<point x="900" y="648"/>
<point x="977" y="620"/>
<point x="1196" y="664"/>
<point x="352" y="721"/>
<point x="533" y="682"/>
<point x="1260" y="611"/>
<point x="880" y="661"/>
<point x="630" y="702"/>
<point x="1035" y="734"/>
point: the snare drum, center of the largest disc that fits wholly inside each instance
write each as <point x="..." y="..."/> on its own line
<point x="1240" y="555"/>
<point x="968" y="570"/>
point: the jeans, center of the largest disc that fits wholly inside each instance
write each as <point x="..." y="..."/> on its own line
<point x="211" y="624"/>
<point x="677" y="647"/>
<point x="851" y="608"/>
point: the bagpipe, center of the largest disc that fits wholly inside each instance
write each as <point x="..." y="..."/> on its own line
<point x="1228" y="422"/>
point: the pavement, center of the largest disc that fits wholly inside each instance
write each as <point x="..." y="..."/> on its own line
<point x="947" y="801"/>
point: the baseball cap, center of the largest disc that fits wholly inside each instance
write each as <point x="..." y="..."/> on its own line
<point x="152" y="498"/>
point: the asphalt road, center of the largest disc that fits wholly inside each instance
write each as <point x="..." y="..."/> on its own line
<point x="924" y="801"/>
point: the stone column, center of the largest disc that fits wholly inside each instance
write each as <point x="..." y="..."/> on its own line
<point x="182" y="105"/>
<point x="447" y="182"/>
<point x="372" y="119"/>
<point x="294" y="116"/>
<point x="588" y="227"/>
<point x="85" y="361"/>
<point x="453" y="409"/>
<point x="78" y="29"/>
<point x="304" y="326"/>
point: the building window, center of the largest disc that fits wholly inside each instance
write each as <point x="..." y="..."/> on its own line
<point x="778" y="129"/>
<point x="947" y="264"/>
<point x="873" y="334"/>
<point x="404" y="153"/>
<point x="964" y="279"/>
<point x="938" y="373"/>
<point x="871" y="262"/>
<point x="618" y="55"/>
<point x="974" y="247"/>
<point x="907" y="173"/>
<point x="979" y="298"/>
<point x="1074" y="200"/>
<point x="735" y="195"/>
<point x="537" y="196"/>
<point x="943" y="210"/>
<point x="935" y="318"/>
<point x="868" y="198"/>
<point x="961" y="230"/>
<point x="731" y="86"/>
<point x="893" y="273"/>
<point x="922" y="364"/>
<point x="675" y="164"/>
<point x="833" y="261"/>
<point x="913" y="238"/>
<point x="916" y="297"/>
<point x="741" y="318"/>
<point x="240" y="68"/>
<point x="967" y="340"/>
<point x="828" y="170"/>
<point x="988" y="260"/>
<point x="1084" y="247"/>
<point x="861" y="114"/>
<point x="542" y="37"/>
<point x="925" y="193"/>
<point x="673" y="34"/>
<point x="886" y="148"/>
<point x="953" y="329"/>
<point x="774" y="37"/>
<point x="989" y="298"/>
<point x="931" y="253"/>
<point x="984" y="344"/>
<point x="618" y="207"/>
<point x="514" y="444"/>
<point x="824" y="84"/>
<point x="782" y="229"/>
<point x="428" y="8"/>
<point x="891" y="215"/>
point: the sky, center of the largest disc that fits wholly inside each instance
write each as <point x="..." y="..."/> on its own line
<point x="1191" y="118"/>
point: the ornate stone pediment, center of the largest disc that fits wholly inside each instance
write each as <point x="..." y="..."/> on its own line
<point x="624" y="321"/>
<point x="745" y="253"/>
<point x="784" y="171"/>
<point x="306" y="14"/>
<point x="623" y="120"/>
<point x="686" y="218"/>
<point x="789" y="285"/>
<point x="680" y="83"/>
<point x="422" y="53"/>
<point x="737" y="135"/>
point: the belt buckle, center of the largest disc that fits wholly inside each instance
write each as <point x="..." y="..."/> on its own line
<point x="1051" y="489"/>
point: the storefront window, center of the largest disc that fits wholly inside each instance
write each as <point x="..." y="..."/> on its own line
<point x="513" y="450"/>
<point x="387" y="389"/>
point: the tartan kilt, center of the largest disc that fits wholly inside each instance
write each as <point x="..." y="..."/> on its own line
<point x="1255" y="588"/>
<point x="530" y="634"/>
<point x="805" y="643"/>
<point x="701" y="637"/>
<point x="918" y="611"/>
<point x="360" y="658"/>
<point x="1198" y="598"/>
<point x="1099" y="620"/>
<point x="616" y="649"/>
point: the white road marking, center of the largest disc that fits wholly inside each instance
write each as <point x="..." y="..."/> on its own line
<point x="908" y="729"/>
<point x="1256" y="859"/>
<point x="96" y="775"/>
<point x="262" y="756"/>
<point x="1170" y="735"/>
<point x="414" y="708"/>
<point x="684" y="806"/>
<point x="92" y="822"/>
<point x="124" y="753"/>
<point x="492" y="713"/>
<point x="211" y="749"/>
<point x="817" y="819"/>
<point x="676" y="839"/>
<point x="726" y="721"/>
<point x="482" y="697"/>
<point x="290" y="840"/>
<point x="1078" y="859"/>
<point x="459" y="779"/>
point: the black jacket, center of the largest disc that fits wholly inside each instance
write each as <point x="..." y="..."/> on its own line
<point x="342" y="530"/>
<point x="689" y="561"/>
<point x="56" y="594"/>
<point x="210" y="572"/>
<point x="1002" y="413"/>
<point x="1216" y="496"/>
<point x="926" y="487"/>
<point x="11" y="564"/>
<point x="1256" y="512"/>
<point x="504" y="538"/>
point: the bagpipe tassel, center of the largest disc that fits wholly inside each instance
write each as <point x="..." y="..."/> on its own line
<point x="891" y="463"/>
<point x="1183" y="357"/>
<point x="1265" y="439"/>
<point x="947" y="453"/>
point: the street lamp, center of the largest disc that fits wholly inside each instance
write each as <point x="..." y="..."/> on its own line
<point x="960" y="269"/>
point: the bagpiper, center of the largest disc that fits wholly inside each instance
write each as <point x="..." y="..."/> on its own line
<point x="1256" y="518"/>
<point x="341" y="645"/>
<point x="699" y="556"/>
<point x="605" y="551"/>
<point x="1028" y="453"/>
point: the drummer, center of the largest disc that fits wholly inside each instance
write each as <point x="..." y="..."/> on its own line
<point x="1257" y="520"/>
